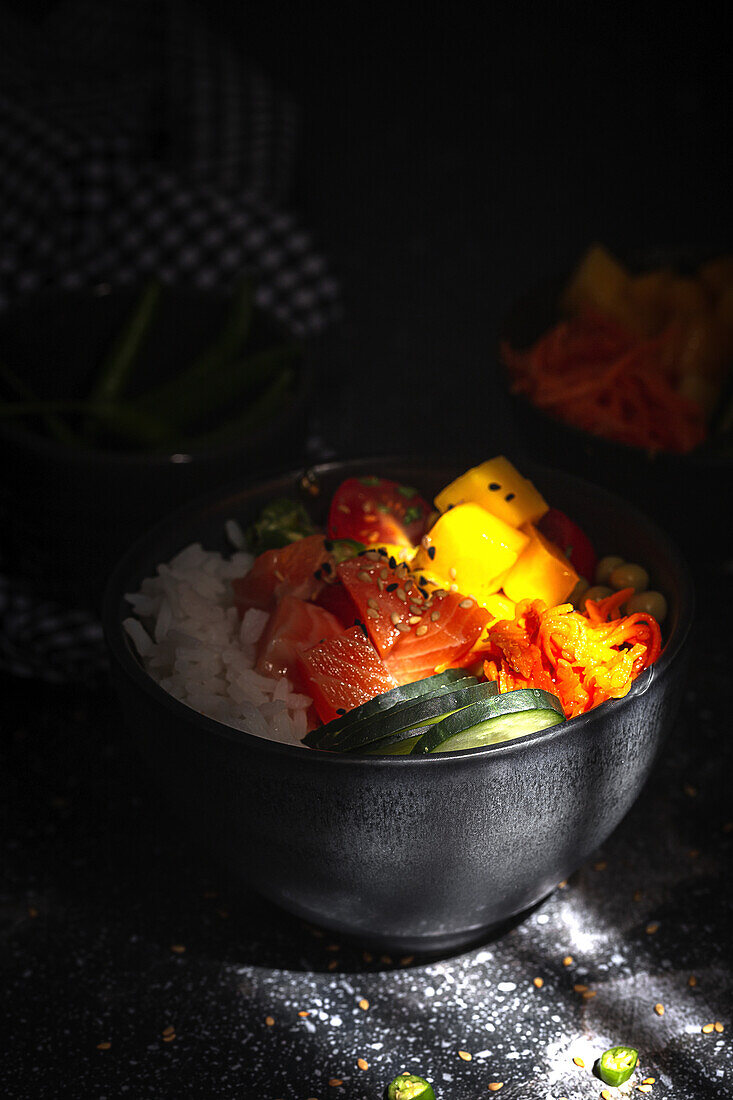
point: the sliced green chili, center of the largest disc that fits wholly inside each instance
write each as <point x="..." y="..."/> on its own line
<point x="617" y="1064"/>
<point x="407" y="1086"/>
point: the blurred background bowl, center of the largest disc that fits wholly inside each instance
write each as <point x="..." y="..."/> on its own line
<point x="676" y="490"/>
<point x="66" y="512"/>
<point x="413" y="853"/>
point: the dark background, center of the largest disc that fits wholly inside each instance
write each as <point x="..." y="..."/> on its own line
<point x="451" y="157"/>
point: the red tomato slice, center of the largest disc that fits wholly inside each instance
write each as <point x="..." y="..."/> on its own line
<point x="449" y="627"/>
<point x="294" y="626"/>
<point x="291" y="570"/>
<point x="574" y="543"/>
<point x="375" y="510"/>
<point x="343" y="672"/>
<point x="385" y="599"/>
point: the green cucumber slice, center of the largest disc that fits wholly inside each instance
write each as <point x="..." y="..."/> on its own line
<point x="409" y="716"/>
<point x="393" y="746"/>
<point x="506" y="716"/>
<point x="323" y="736"/>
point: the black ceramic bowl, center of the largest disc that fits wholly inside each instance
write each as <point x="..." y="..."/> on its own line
<point x="64" y="511"/>
<point x="415" y="854"/>
<point x="673" y="488"/>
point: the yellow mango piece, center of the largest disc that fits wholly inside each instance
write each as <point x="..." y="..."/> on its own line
<point x="542" y="572"/>
<point x="650" y="300"/>
<point x="500" y="606"/>
<point x="717" y="275"/>
<point x="471" y="549"/>
<point x="499" y="488"/>
<point x="599" y="281"/>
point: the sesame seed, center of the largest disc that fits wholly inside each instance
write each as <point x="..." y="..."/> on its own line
<point x="333" y="964"/>
<point x="652" y="928"/>
<point x="335" y="1082"/>
<point x="414" y="619"/>
<point x="494" y="486"/>
<point x="434" y="616"/>
<point x="465" y="1055"/>
<point x="406" y="960"/>
<point x="367" y="956"/>
<point x="452" y="573"/>
<point x="391" y="587"/>
<point x="169" y="1038"/>
<point x="402" y="595"/>
<point x="344" y="508"/>
<point x="364" y="1004"/>
<point x="269" y="1021"/>
<point x="421" y="630"/>
<point x="580" y="988"/>
<point x="718" y="1027"/>
<point x="708" y="1029"/>
<point x="372" y="613"/>
<point x="178" y="948"/>
<point x="589" y="994"/>
<point x="494" y="1086"/>
<point x="648" y="1081"/>
<point x="689" y="790"/>
<point x="659" y="1009"/>
<point x="466" y="604"/>
<point x="605" y="1095"/>
<point x="431" y="553"/>
<point x="579" y="1062"/>
<point x="692" y="980"/>
<point x="170" y="1030"/>
<point x="404" y="628"/>
<point x="386" y="959"/>
<point x="392" y="562"/>
<point x="568" y="960"/>
<point x="538" y="982"/>
<point x="304" y="1012"/>
<point x="643" y="1088"/>
<point x="394" y="618"/>
<point x="509" y="497"/>
<point x="362" y="575"/>
<point x="104" y="1045"/>
<point x="600" y="865"/>
<point x="362" y="1063"/>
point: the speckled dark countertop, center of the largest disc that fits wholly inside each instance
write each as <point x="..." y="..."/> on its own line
<point x="131" y="970"/>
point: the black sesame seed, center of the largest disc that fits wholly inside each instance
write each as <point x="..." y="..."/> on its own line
<point x="391" y="587"/>
<point x="327" y="567"/>
<point x="494" y="485"/>
<point x="382" y="551"/>
<point x="393" y="563"/>
<point x="431" y="552"/>
<point x="509" y="496"/>
<point x="317" y="574"/>
<point x="340" y="710"/>
<point x="423" y="580"/>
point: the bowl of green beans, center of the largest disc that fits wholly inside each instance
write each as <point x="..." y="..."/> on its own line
<point x="118" y="405"/>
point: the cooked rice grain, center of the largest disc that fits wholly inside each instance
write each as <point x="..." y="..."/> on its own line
<point x="188" y="634"/>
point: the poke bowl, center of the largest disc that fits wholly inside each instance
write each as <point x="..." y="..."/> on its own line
<point x="426" y="850"/>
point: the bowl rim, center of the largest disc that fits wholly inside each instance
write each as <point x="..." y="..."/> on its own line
<point x="121" y="648"/>
<point x="54" y="451"/>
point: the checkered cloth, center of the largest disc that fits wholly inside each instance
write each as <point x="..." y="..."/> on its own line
<point x="134" y="141"/>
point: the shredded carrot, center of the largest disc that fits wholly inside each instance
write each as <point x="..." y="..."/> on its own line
<point x="583" y="659"/>
<point x="590" y="372"/>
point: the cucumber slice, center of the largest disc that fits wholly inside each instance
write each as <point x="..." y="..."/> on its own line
<point x="323" y="736"/>
<point x="393" y="746"/>
<point x="410" y="716"/>
<point x="509" y="715"/>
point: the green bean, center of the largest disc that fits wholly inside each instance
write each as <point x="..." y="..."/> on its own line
<point x="212" y="376"/>
<point x="114" y="374"/>
<point x="188" y="399"/>
<point x="123" y="419"/>
<point x="257" y="412"/>
<point x="56" y="428"/>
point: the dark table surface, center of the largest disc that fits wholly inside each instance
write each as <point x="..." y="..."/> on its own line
<point x="442" y="180"/>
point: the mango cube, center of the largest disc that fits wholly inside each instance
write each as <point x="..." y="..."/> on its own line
<point x="542" y="572"/>
<point x="499" y="488"/>
<point x="470" y="548"/>
<point x="500" y="606"/>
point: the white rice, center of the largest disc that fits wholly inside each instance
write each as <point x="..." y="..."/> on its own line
<point x="190" y="639"/>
